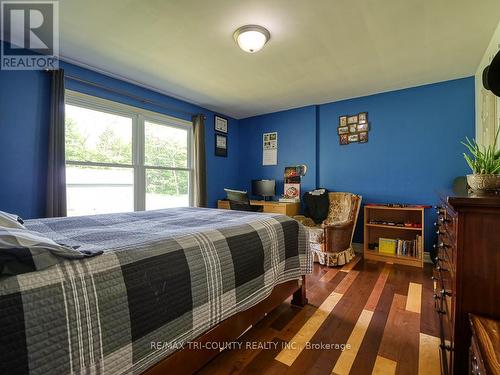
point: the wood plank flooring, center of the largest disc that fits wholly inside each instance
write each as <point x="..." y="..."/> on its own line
<point x="364" y="318"/>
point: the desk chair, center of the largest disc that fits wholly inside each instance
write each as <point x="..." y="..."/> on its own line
<point x="238" y="200"/>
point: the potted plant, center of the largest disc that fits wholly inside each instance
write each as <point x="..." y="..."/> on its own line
<point x="485" y="165"/>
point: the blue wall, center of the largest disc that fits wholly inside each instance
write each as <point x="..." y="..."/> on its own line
<point x="413" y="151"/>
<point x="24" y="122"/>
<point x="296" y="140"/>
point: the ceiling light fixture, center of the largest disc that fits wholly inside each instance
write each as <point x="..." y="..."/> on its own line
<point x="251" y="38"/>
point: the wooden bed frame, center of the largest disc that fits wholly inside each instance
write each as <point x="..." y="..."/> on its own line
<point x="189" y="359"/>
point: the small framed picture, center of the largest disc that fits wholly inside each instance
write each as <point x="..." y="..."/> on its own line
<point x="352" y="119"/>
<point x="272" y="136"/>
<point x="221" y="145"/>
<point x="363" y="137"/>
<point x="220" y="124"/>
<point x="353" y="138"/>
<point x="343" y="130"/>
<point x="353" y="128"/>
<point x="344" y="139"/>
<point x="363" y="117"/>
<point x="342" y="121"/>
<point x="362" y="127"/>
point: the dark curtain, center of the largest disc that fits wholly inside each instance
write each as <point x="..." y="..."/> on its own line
<point x="200" y="172"/>
<point x="56" y="177"/>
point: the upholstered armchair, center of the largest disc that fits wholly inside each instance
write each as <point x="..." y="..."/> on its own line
<point x="331" y="241"/>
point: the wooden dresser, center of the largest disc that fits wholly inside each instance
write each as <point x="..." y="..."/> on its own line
<point x="467" y="275"/>
<point x="284" y="208"/>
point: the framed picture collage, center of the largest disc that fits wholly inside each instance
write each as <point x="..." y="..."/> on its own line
<point x="353" y="128"/>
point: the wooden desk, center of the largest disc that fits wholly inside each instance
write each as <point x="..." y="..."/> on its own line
<point x="289" y="209"/>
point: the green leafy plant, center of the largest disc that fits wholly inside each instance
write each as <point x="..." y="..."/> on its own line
<point x="483" y="160"/>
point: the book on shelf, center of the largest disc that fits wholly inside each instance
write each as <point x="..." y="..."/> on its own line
<point x="387" y="246"/>
<point x="409" y="248"/>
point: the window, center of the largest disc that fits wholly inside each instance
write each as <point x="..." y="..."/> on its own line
<point x="121" y="158"/>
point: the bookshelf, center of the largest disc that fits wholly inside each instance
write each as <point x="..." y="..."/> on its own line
<point x="405" y="224"/>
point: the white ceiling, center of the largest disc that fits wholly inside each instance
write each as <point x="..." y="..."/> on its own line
<point x="320" y="50"/>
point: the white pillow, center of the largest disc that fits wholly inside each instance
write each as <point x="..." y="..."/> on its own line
<point x="11" y="221"/>
<point x="23" y="250"/>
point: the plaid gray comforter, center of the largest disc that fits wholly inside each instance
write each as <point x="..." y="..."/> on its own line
<point x="165" y="277"/>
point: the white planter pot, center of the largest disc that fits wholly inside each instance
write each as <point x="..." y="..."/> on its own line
<point x="484" y="182"/>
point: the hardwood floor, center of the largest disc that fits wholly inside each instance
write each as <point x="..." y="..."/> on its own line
<point x="381" y="314"/>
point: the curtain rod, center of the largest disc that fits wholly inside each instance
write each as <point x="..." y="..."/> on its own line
<point x="129" y="95"/>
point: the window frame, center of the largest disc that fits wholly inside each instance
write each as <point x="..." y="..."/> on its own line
<point x="139" y="117"/>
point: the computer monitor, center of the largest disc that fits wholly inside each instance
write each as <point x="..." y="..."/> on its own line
<point x="264" y="188"/>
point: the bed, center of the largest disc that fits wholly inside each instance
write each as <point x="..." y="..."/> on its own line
<point x="166" y="279"/>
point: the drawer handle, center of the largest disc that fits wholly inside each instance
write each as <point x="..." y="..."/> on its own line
<point x="446" y="293"/>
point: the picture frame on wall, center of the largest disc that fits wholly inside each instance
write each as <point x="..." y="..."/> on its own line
<point x="220" y="145"/>
<point x="362" y="117"/>
<point x="353" y="128"/>
<point x="363" y="137"/>
<point x="352" y="119"/>
<point x="342" y="121"/>
<point x="362" y="127"/>
<point x="344" y="139"/>
<point x="353" y="138"/>
<point x="343" y="130"/>
<point x="220" y="124"/>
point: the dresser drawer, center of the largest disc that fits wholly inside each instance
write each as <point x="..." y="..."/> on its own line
<point x="446" y="358"/>
<point x="445" y="346"/>
<point x="448" y="219"/>
<point x="446" y="251"/>
<point x="446" y="267"/>
<point x="443" y="305"/>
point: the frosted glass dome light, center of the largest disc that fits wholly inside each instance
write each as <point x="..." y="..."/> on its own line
<point x="251" y="38"/>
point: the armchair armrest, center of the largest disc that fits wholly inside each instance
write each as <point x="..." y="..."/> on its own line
<point x="338" y="236"/>
<point x="340" y="225"/>
<point x="306" y="221"/>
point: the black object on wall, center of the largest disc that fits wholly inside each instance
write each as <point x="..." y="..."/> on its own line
<point x="491" y="76"/>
